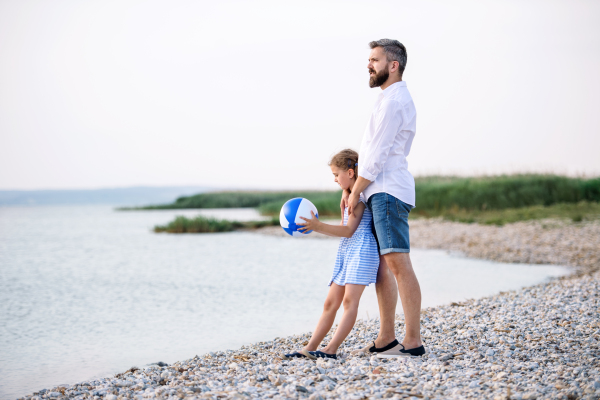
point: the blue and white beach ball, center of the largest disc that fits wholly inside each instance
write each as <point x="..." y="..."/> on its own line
<point x="291" y="212"/>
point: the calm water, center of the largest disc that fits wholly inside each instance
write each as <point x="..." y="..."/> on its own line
<point x="88" y="292"/>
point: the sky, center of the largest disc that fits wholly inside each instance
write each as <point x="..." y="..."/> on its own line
<point x="260" y="95"/>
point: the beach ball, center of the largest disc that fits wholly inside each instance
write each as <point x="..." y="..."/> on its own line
<point x="291" y="212"/>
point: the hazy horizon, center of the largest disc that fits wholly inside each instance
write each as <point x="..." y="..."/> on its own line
<point x="259" y="95"/>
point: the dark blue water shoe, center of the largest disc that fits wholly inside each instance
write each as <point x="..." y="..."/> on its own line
<point x="313" y="355"/>
<point x="292" y="356"/>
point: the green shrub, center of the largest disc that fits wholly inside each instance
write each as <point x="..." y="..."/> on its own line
<point x="197" y="225"/>
<point x="202" y="224"/>
<point x="237" y="199"/>
<point x="435" y="195"/>
<point x="502" y="192"/>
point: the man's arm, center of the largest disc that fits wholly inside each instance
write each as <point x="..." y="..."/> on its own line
<point x="344" y="203"/>
<point x="388" y="122"/>
<point x="372" y="160"/>
<point x="360" y="185"/>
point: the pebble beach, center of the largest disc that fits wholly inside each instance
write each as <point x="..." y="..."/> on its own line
<point x="540" y="342"/>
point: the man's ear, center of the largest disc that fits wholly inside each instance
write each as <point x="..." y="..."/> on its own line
<point x="395" y="66"/>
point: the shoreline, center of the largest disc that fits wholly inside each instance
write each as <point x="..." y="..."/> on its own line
<point x="538" y="342"/>
<point x="547" y="241"/>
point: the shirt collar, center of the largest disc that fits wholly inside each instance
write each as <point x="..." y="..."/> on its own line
<point x="391" y="89"/>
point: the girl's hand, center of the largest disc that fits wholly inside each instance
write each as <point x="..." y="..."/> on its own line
<point x="310" y="225"/>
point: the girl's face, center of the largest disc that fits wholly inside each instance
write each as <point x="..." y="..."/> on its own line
<point x="343" y="178"/>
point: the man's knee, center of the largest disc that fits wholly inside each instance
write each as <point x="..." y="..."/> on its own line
<point x="398" y="263"/>
<point x="385" y="279"/>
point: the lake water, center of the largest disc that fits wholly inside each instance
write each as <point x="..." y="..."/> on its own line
<point x="88" y="292"/>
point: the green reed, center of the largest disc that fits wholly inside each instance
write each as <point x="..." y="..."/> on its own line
<point x="575" y="212"/>
<point x="491" y="199"/>
<point x="202" y="224"/>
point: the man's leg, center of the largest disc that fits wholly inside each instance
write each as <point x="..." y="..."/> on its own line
<point x="387" y="297"/>
<point x="410" y="296"/>
<point x="390" y="222"/>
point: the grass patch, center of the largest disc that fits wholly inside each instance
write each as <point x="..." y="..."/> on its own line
<point x="575" y="212"/>
<point x="268" y="203"/>
<point x="488" y="200"/>
<point x="435" y="194"/>
<point x="237" y="199"/>
<point x="202" y="224"/>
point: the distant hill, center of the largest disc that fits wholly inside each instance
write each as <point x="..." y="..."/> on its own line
<point x="132" y="196"/>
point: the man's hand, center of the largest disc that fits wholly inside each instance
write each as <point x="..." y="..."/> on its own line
<point x="344" y="203"/>
<point x="353" y="201"/>
<point x="359" y="186"/>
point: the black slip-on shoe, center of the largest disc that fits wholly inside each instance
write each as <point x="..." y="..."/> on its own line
<point x="372" y="349"/>
<point x="400" y="351"/>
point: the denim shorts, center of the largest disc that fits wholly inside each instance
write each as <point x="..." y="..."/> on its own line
<point x="390" y="223"/>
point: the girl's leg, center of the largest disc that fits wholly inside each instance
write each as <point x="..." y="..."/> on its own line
<point x="332" y="304"/>
<point x="351" y="300"/>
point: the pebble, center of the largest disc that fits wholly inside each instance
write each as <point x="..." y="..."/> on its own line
<point x="540" y="342"/>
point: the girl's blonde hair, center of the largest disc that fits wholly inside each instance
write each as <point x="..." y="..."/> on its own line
<point x="345" y="160"/>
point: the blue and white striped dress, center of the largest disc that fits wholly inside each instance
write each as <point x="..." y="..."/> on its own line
<point x="357" y="259"/>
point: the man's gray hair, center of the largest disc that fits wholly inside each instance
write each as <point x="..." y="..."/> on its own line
<point x="394" y="51"/>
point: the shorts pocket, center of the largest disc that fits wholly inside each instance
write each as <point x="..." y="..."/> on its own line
<point x="402" y="208"/>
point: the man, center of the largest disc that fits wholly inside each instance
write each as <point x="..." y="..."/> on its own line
<point x="390" y="191"/>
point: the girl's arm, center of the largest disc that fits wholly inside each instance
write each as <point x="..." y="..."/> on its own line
<point x="335" y="230"/>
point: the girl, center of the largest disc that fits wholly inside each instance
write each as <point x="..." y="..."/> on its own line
<point x="355" y="266"/>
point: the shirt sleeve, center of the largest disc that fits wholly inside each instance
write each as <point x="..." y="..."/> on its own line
<point x="388" y="121"/>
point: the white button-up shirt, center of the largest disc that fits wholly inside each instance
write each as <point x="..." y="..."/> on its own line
<point x="386" y="144"/>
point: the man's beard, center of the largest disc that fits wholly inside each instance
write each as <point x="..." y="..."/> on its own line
<point x="379" y="78"/>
